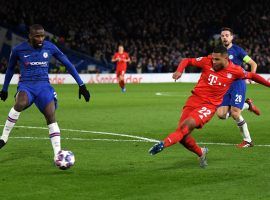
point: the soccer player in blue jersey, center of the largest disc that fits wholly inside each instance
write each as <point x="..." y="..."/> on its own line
<point x="233" y="101"/>
<point x="33" y="57"/>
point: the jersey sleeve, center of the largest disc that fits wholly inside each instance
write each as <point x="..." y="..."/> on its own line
<point x="196" y="62"/>
<point x="10" y="69"/>
<point x="242" y="74"/>
<point x="59" y="55"/>
<point x="243" y="55"/>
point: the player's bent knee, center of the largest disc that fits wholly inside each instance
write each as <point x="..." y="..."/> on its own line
<point x="221" y="115"/>
<point x="20" y="106"/>
<point x="187" y="126"/>
<point x="235" y="113"/>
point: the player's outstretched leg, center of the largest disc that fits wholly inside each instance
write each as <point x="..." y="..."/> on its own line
<point x="202" y="158"/>
<point x="13" y="116"/>
<point x="252" y="107"/>
<point x="158" y="147"/>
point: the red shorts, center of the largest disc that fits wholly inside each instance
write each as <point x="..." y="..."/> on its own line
<point x="200" y="110"/>
<point x="120" y="72"/>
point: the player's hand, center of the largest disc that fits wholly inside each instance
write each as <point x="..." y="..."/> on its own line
<point x="176" y="75"/>
<point x="83" y="91"/>
<point x="3" y="95"/>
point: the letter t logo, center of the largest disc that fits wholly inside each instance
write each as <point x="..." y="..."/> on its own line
<point x="212" y="79"/>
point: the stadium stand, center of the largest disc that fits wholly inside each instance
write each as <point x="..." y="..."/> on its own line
<point x="157" y="34"/>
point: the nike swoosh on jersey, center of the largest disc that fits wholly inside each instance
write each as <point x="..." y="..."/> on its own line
<point x="26" y="56"/>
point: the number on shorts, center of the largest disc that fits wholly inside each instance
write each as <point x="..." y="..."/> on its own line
<point x="204" y="111"/>
<point x="238" y="98"/>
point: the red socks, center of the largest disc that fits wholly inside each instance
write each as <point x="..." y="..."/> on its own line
<point x="176" y="136"/>
<point x="172" y="139"/>
<point x="190" y="143"/>
<point x="122" y="84"/>
<point x="182" y="136"/>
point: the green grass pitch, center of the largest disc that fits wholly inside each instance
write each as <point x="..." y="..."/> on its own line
<point x="111" y="166"/>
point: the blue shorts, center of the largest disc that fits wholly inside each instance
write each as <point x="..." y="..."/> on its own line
<point x="236" y="95"/>
<point x="40" y="93"/>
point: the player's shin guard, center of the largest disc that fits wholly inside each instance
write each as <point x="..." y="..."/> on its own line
<point x="190" y="143"/>
<point x="176" y="136"/>
<point x="173" y="138"/>
<point x="241" y="123"/>
<point x="13" y="116"/>
<point x="54" y="132"/>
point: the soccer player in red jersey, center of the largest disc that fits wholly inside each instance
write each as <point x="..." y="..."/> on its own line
<point x="218" y="73"/>
<point x="121" y="58"/>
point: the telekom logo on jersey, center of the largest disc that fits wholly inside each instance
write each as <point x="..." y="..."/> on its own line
<point x="36" y="63"/>
<point x="212" y="79"/>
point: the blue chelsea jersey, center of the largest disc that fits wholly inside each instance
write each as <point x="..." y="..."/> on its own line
<point x="34" y="63"/>
<point x="237" y="54"/>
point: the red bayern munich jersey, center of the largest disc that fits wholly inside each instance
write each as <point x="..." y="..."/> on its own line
<point x="121" y="65"/>
<point x="213" y="85"/>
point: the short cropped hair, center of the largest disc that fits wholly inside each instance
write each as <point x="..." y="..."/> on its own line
<point x="227" y="29"/>
<point x="35" y="27"/>
<point x="220" y="49"/>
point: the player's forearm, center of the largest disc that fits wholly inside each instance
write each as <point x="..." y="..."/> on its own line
<point x="71" y="69"/>
<point x="257" y="78"/>
<point x="183" y="64"/>
<point x="253" y="67"/>
<point x="8" y="77"/>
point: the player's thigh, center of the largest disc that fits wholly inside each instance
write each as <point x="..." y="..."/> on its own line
<point x="235" y="112"/>
<point x="23" y="99"/>
<point x="201" y="114"/>
<point x="45" y="97"/>
<point x="222" y="111"/>
<point x="120" y="74"/>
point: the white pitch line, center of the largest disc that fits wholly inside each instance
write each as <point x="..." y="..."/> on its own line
<point x="119" y="140"/>
<point x="79" y="139"/>
<point x="95" y="132"/>
<point x="138" y="138"/>
<point x="228" y="144"/>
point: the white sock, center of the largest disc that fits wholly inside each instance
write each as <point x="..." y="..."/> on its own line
<point x="54" y="132"/>
<point x="13" y="116"/>
<point x="228" y="114"/>
<point x="241" y="123"/>
<point x="245" y="106"/>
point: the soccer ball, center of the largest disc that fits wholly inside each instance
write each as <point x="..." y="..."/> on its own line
<point x="64" y="159"/>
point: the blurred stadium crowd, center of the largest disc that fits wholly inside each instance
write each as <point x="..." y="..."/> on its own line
<point x="156" y="33"/>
